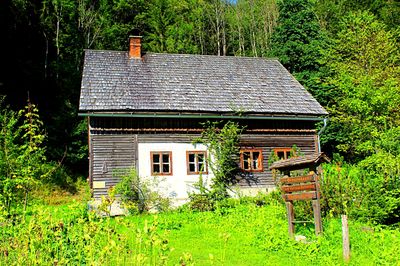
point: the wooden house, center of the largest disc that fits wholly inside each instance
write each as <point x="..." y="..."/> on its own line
<point x="145" y="109"/>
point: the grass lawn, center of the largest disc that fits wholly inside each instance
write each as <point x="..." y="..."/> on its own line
<point x="238" y="234"/>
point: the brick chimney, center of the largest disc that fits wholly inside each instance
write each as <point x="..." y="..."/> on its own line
<point x="135" y="47"/>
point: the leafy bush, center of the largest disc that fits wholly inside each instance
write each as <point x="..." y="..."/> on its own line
<point x="22" y="156"/>
<point x="201" y="202"/>
<point x="138" y="194"/>
<point x="369" y="190"/>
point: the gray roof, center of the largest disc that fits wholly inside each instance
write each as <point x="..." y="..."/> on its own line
<point x="191" y="83"/>
<point x="300" y="162"/>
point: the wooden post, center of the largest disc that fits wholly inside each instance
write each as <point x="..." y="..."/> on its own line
<point x="317" y="216"/>
<point x="290" y="215"/>
<point x="346" y="240"/>
<point x="317" y="207"/>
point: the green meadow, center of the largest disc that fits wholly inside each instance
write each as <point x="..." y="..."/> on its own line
<point x="237" y="232"/>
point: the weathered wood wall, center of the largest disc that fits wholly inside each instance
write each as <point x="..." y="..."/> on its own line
<point x="306" y="142"/>
<point x="110" y="153"/>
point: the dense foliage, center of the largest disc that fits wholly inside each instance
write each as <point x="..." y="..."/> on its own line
<point x="22" y="159"/>
<point x="222" y="143"/>
<point x="140" y="194"/>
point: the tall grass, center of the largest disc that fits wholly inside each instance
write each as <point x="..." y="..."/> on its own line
<point x="238" y="232"/>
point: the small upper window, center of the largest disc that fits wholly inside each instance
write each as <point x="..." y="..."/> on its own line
<point x="161" y="163"/>
<point x="283" y="153"/>
<point x="251" y="160"/>
<point x="196" y="162"/>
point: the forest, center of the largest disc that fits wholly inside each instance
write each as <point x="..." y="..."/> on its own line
<point x="346" y="53"/>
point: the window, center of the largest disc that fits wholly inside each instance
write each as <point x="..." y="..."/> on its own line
<point x="161" y="163"/>
<point x="283" y="153"/>
<point x="251" y="160"/>
<point x="196" y="162"/>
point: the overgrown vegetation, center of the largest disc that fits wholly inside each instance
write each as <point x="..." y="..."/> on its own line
<point x="22" y="159"/>
<point x="246" y="231"/>
<point x="139" y="194"/>
<point x="23" y="163"/>
<point x="345" y="52"/>
<point x="223" y="146"/>
<point x="369" y="191"/>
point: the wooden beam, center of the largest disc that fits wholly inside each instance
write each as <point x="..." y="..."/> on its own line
<point x="290" y="216"/>
<point x="317" y="216"/>
<point x="301" y="196"/>
<point x="345" y="238"/>
<point x="298" y="179"/>
<point x="304" y="187"/>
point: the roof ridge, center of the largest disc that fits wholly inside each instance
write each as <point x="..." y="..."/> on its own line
<point x="187" y="54"/>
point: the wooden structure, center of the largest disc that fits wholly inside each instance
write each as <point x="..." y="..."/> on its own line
<point x="145" y="109"/>
<point x="301" y="187"/>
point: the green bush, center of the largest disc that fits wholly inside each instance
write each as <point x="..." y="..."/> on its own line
<point x="223" y="146"/>
<point x="138" y="194"/>
<point x="201" y="202"/>
<point x="369" y="190"/>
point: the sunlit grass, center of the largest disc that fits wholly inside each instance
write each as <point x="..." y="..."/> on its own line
<point x="234" y="234"/>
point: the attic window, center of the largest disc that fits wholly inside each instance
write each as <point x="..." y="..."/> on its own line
<point x="196" y="162"/>
<point x="161" y="163"/>
<point x="251" y="160"/>
<point x="283" y="153"/>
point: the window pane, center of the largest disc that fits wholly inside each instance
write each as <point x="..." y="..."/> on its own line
<point x="287" y="155"/>
<point x="200" y="157"/>
<point x="246" y="165"/>
<point x="192" y="167"/>
<point x="201" y="165"/>
<point x="165" y="168"/>
<point x="256" y="156"/>
<point x="191" y="157"/>
<point x="156" y="168"/>
<point x="281" y="154"/>
<point x="165" y="158"/>
<point x="156" y="158"/>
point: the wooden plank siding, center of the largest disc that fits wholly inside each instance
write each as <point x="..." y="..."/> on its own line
<point x="120" y="151"/>
<point x="109" y="153"/>
<point x="268" y="142"/>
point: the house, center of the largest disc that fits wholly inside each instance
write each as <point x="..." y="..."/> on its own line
<point x="145" y="109"/>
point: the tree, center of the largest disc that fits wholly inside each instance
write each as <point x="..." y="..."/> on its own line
<point x="298" y="41"/>
<point x="298" y="36"/>
<point x="172" y="26"/>
<point x="251" y="24"/>
<point x="364" y="61"/>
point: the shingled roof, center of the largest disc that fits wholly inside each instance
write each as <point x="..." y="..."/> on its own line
<point x="191" y="83"/>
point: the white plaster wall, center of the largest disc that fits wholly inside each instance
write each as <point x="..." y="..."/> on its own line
<point x="179" y="183"/>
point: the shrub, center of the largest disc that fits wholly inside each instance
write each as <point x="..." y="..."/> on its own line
<point x="22" y="158"/>
<point x="138" y="194"/>
<point x="201" y="202"/>
<point x="369" y="190"/>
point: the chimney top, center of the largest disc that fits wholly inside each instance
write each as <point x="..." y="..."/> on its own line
<point x="135" y="47"/>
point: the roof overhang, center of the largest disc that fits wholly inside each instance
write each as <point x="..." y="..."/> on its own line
<point x="300" y="162"/>
<point x="203" y="116"/>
